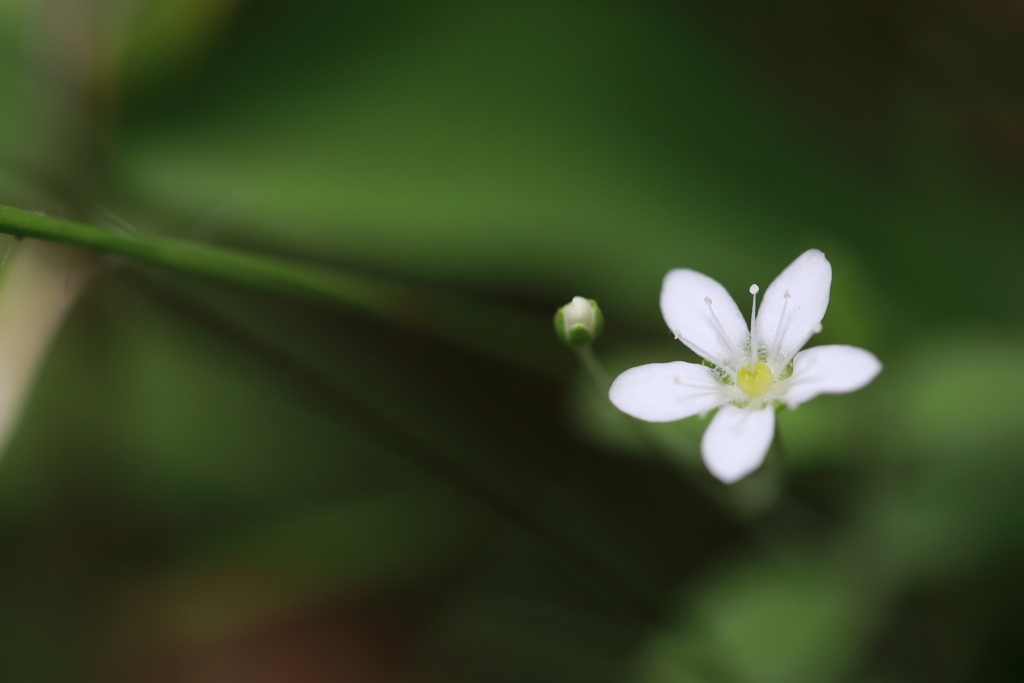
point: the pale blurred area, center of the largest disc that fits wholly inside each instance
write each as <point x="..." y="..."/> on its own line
<point x="38" y="283"/>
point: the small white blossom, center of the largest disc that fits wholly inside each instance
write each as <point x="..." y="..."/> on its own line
<point x="751" y="370"/>
<point x="579" y="322"/>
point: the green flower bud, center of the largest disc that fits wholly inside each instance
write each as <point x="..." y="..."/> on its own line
<point x="579" y="322"/>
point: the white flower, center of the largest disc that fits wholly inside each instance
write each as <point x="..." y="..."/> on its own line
<point x="750" y="370"/>
<point x="579" y="322"/>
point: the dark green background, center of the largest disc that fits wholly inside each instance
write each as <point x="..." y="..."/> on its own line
<point x="214" y="485"/>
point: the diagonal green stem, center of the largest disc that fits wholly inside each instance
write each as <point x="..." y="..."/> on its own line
<point x="250" y="270"/>
<point x="457" y="319"/>
<point x="590" y="362"/>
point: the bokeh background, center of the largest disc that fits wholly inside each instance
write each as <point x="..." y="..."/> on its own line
<point x="214" y="485"/>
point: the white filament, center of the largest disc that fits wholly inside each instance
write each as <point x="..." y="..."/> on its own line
<point x="752" y="359"/>
<point x="720" y="328"/>
<point x="780" y="329"/>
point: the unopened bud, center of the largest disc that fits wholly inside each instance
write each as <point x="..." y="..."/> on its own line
<point x="579" y="322"/>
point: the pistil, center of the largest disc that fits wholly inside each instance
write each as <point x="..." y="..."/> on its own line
<point x="752" y="356"/>
<point x="755" y="379"/>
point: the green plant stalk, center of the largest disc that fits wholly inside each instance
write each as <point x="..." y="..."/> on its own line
<point x="590" y="362"/>
<point x="452" y="318"/>
<point x="249" y="270"/>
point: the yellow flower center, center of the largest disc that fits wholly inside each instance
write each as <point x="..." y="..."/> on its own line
<point x="755" y="380"/>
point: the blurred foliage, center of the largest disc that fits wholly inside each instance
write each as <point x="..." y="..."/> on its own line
<point x="211" y="484"/>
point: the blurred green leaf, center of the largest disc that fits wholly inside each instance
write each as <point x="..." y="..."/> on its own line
<point x="763" y="621"/>
<point x="961" y="393"/>
<point x="225" y="582"/>
<point x="473" y="141"/>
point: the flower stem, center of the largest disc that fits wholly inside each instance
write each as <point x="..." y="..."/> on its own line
<point x="257" y="272"/>
<point x="463" y="321"/>
<point x="781" y="454"/>
<point x="594" y="368"/>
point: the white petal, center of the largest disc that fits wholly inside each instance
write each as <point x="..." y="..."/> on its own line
<point x="736" y="441"/>
<point x="683" y="304"/>
<point x="793" y="306"/>
<point x="833" y="369"/>
<point x="664" y="392"/>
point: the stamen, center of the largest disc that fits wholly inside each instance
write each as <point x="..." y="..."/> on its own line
<point x="721" y="331"/>
<point x="700" y="352"/>
<point x="780" y="329"/>
<point x="754" y="289"/>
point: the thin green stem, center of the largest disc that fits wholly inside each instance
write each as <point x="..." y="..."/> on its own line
<point x="250" y="270"/>
<point x="781" y="454"/>
<point x="457" y="319"/>
<point x="590" y="362"/>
